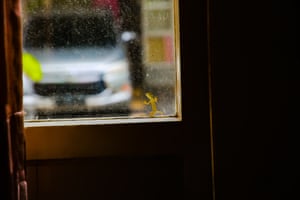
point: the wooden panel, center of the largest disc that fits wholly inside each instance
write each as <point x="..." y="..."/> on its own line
<point x="32" y="182"/>
<point x="105" y="140"/>
<point x="109" y="178"/>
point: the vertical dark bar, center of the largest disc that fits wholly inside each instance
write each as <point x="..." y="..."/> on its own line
<point x="12" y="142"/>
<point x="5" y="173"/>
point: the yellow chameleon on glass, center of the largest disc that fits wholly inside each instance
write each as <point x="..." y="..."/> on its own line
<point x="152" y="101"/>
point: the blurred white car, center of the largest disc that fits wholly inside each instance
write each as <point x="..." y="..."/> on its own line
<point x="84" y="65"/>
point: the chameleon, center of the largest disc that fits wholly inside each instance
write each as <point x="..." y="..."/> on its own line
<point x="152" y="101"/>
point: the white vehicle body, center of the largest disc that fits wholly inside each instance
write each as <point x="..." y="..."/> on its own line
<point x="77" y="79"/>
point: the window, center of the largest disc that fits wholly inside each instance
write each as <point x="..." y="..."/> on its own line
<point x="100" y="60"/>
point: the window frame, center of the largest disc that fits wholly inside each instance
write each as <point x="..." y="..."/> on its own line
<point x="177" y="116"/>
<point x="42" y="148"/>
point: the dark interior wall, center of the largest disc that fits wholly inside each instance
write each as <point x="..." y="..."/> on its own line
<point x="250" y="98"/>
<point x="194" y="73"/>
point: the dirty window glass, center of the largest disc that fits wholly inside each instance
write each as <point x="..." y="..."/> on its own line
<point x="86" y="59"/>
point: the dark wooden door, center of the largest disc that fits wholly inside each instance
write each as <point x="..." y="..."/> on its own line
<point x="165" y="160"/>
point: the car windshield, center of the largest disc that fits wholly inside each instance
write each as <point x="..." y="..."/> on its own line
<point x="70" y="30"/>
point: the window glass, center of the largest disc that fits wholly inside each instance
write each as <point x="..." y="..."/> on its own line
<point x="87" y="59"/>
